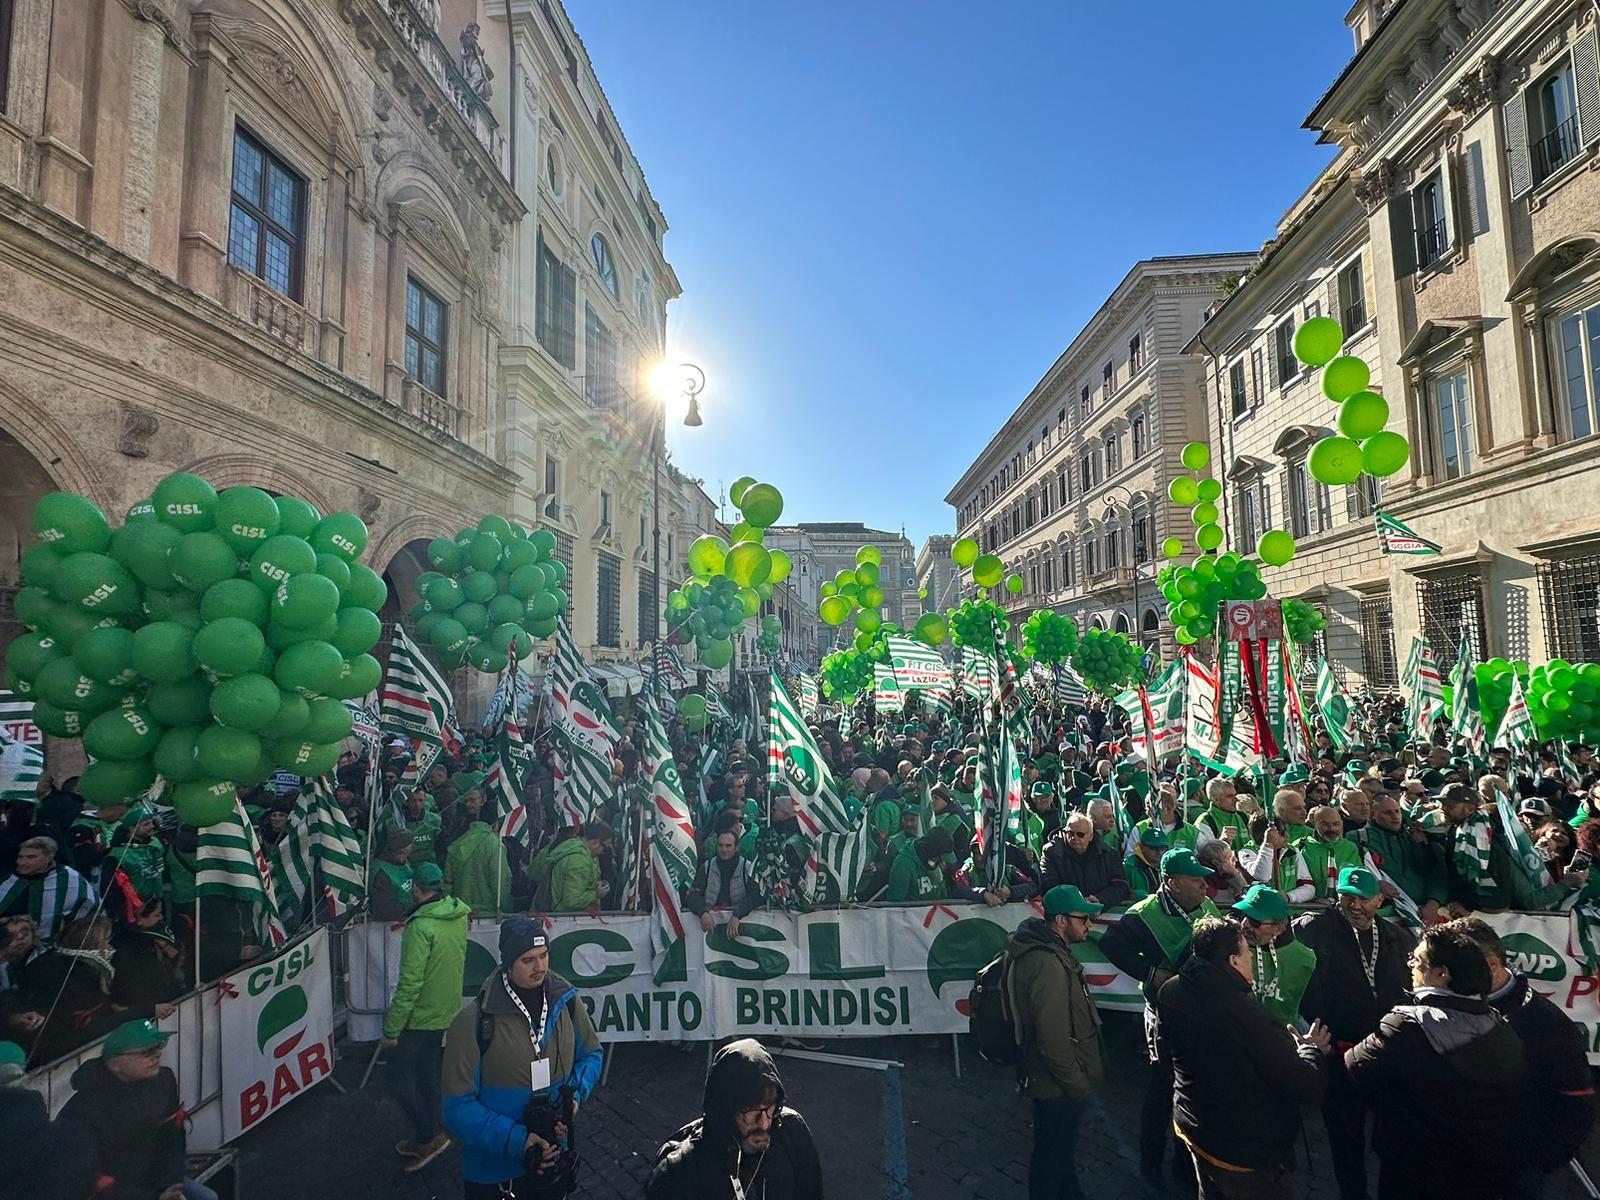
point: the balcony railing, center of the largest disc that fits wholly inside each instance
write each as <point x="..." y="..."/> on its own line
<point x="432" y="409"/>
<point x="418" y="33"/>
<point x="1555" y="149"/>
<point x="1430" y="242"/>
<point x="1353" y="317"/>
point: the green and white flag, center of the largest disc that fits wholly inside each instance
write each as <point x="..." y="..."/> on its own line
<point x="1396" y="537"/>
<point x="796" y="764"/>
<point x="716" y="707"/>
<point x="1466" y="721"/>
<point x="1067" y="689"/>
<point x="584" y="732"/>
<point x="1516" y="727"/>
<point x="1203" y="726"/>
<point x="54" y="901"/>
<point x="977" y="673"/>
<point x="415" y="700"/>
<point x="835" y="864"/>
<point x="318" y="835"/>
<point x="999" y="811"/>
<point x="1337" y="717"/>
<point x="1425" y="687"/>
<point x="1242" y="755"/>
<point x="810" y="695"/>
<point x="230" y="863"/>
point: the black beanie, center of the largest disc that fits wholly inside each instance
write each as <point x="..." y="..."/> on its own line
<point x="518" y="935"/>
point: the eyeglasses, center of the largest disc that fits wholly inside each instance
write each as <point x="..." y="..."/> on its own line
<point x="1075" y="834"/>
<point x="770" y="1111"/>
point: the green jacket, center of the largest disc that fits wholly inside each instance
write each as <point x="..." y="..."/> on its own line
<point x="1417" y="870"/>
<point x="574" y="877"/>
<point x="1217" y="820"/>
<point x="477" y="871"/>
<point x="424" y="833"/>
<point x="433" y="960"/>
<point x="1058" y="1026"/>
<point x="909" y="879"/>
<point x="1326" y="859"/>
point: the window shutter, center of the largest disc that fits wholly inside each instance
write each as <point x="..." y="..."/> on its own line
<point x="567" y="311"/>
<point x="1336" y="302"/>
<point x="1257" y="380"/>
<point x="1519" y="167"/>
<point x="1477" y="192"/>
<point x="1403" y="235"/>
<point x="1447" y="192"/>
<point x="1352" y="505"/>
<point x="1586" y="82"/>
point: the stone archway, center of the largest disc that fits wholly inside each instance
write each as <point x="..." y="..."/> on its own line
<point x="23" y="479"/>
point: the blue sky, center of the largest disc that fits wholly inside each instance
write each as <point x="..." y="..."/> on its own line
<point x="889" y="217"/>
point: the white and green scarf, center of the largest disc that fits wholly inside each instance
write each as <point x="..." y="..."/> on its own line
<point x="55" y="899"/>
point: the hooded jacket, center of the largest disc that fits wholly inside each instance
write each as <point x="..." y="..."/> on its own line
<point x="1555" y="1111"/>
<point x="485" y="1096"/>
<point x="433" y="959"/>
<point x="1060" y="1027"/>
<point x="1456" y="1063"/>
<point x="574" y="877"/>
<point x="131" y="1133"/>
<point x="477" y="871"/>
<point x="700" y="1160"/>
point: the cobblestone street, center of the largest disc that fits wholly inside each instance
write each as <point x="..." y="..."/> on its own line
<point x="884" y="1135"/>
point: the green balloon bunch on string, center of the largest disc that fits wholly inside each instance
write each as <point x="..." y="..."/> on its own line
<point x="1495" y="679"/>
<point x="1107" y="661"/>
<point x="846" y="673"/>
<point x="730" y="578"/>
<point x="978" y="623"/>
<point x="495" y="590"/>
<point x="1363" y="446"/>
<point x="1200" y="497"/>
<point x="1194" y="592"/>
<point x="1564" y="700"/>
<point x="1302" y="622"/>
<point x="1049" y="637"/>
<point x="208" y="641"/>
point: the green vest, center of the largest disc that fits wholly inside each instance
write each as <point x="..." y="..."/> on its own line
<point x="1183" y="835"/>
<point x="398" y="875"/>
<point x="1326" y="859"/>
<point x="1218" y="820"/>
<point x="1142" y="879"/>
<point x="1172" y="934"/>
<point x="1280" y="978"/>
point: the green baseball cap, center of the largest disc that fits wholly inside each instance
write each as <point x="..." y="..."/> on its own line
<point x="1064" y="900"/>
<point x="12" y="1055"/>
<point x="429" y="876"/>
<point x="1042" y="788"/>
<point x="1154" y="836"/>
<point x="132" y="1036"/>
<point x="1263" y="903"/>
<point x="1358" y="881"/>
<point x="1183" y="862"/>
<point x="1294" y="773"/>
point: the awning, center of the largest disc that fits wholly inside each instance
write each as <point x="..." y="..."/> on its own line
<point x="619" y="679"/>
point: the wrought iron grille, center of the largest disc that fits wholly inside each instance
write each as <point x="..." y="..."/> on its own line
<point x="648" y="616"/>
<point x="1452" y="606"/>
<point x="1377" y="642"/>
<point x="608" y="599"/>
<point x="1569" y="594"/>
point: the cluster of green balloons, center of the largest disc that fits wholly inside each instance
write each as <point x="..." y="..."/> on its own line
<point x="495" y="590"/>
<point x="978" y="623"/>
<point x="1564" y="700"/>
<point x="1049" y="637"/>
<point x="730" y="578"/>
<point x="1200" y="497"/>
<point x="1194" y="592"/>
<point x="987" y="569"/>
<point x="1362" y="445"/>
<point x="1107" y="661"/>
<point x="1302" y="622"/>
<point x="209" y="640"/>
<point x="770" y="639"/>
<point x="855" y="593"/>
<point x="846" y="673"/>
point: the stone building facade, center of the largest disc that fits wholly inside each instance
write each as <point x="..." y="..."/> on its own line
<point x="821" y="549"/>
<point x="1071" y="492"/>
<point x="1473" y="131"/>
<point x="936" y="574"/>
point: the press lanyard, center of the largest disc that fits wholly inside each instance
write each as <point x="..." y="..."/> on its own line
<point x="536" y="1032"/>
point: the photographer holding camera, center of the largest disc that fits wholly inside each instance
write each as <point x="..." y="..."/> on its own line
<point x="518" y="1062"/>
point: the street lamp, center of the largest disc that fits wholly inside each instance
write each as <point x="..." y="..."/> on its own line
<point x="668" y="380"/>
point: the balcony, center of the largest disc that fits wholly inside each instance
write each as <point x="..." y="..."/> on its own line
<point x="1353" y="317"/>
<point x="1555" y="149"/>
<point x="253" y="301"/>
<point x="432" y="409"/>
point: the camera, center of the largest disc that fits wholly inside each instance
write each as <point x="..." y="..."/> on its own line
<point x="559" y="1178"/>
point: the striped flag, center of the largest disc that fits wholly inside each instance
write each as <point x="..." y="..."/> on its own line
<point x="670" y="673"/>
<point x="810" y="695"/>
<point x="502" y="784"/>
<point x="1334" y="705"/>
<point x="1067" y="689"/>
<point x="1203" y="729"/>
<point x="1396" y="537"/>
<point x="835" y="865"/>
<point x="584" y="732"/>
<point x="415" y="700"/>
<point x="1297" y="732"/>
<point x="230" y="863"/>
<point x="1466" y="721"/>
<point x="999" y="814"/>
<point x="716" y="707"/>
<point x="1516" y="727"/>
<point x="1155" y="714"/>
<point x="21" y="750"/>
<point x="671" y="834"/>
<point x="1241" y="754"/>
<point x="318" y="835"/>
<point x="1425" y="685"/>
<point x="794" y="762"/>
<point x="977" y="673"/>
<point x="631" y="849"/>
<point x="914" y="666"/>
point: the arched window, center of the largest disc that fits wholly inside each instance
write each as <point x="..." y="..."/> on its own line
<point x="1122" y="623"/>
<point x="603" y="262"/>
<point x="1151" y="623"/>
<point x="551" y="173"/>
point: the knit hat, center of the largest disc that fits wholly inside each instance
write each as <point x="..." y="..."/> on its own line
<point x="396" y="840"/>
<point x="428" y="877"/>
<point x="518" y="935"/>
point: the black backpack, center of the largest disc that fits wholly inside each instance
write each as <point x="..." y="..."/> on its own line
<point x="993" y="1022"/>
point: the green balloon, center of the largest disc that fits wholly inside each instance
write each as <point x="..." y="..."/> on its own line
<point x="719" y="653"/>
<point x="39" y="562"/>
<point x="296" y="517"/>
<point x="1275" y="548"/>
<point x="334" y="568"/>
<point x="356" y="630"/>
<point x="1196" y="456"/>
<point x="541" y="628"/>
<point x="224" y="753"/>
<point x="1363" y="415"/>
<point x="248" y="702"/>
<point x="1335" y="461"/>
<point x="34" y="607"/>
<point x="782" y="564"/>
<point x="202" y="560"/>
<point x="237" y="598"/>
<point x="987" y="571"/>
<point x="749" y="563"/>
<point x="70" y="523"/>
<point x="932" y="629"/>
<point x="230" y="646"/>
<point x="557" y="570"/>
<point x="246" y="517"/>
<point x="834" y="610"/>
<point x="1183" y="491"/>
<point x="329" y="721"/>
<point x="30" y="654"/>
<point x="1344" y="377"/>
<point x="543" y="607"/>
<point x="483" y="552"/>
<point x="361" y="674"/>
<point x="1208" y="537"/>
<point x="56" y="721"/>
<point x="1204" y="513"/>
<point x="280" y="636"/>
<point x="163" y="652"/>
<point x="868" y="620"/>
<point x="1384" y="453"/>
<point x="143" y="548"/>
<point x="343" y="534"/>
<point x="445" y="595"/>
<point x="749" y="602"/>
<point x="121" y="734"/>
<point x="737" y="489"/>
<point x="1318" y="340"/>
<point x="692" y="705"/>
<point x="519" y="553"/>
<point x="309" y="668"/>
<point x="279" y="558"/>
<point x="527" y="581"/>
<point x="761" y="505"/>
<point x="1209" y="491"/>
<point x="293" y="713"/>
<point x="176" y="605"/>
<point x="1171" y="547"/>
<point x="367" y="589"/>
<point x="105" y="655"/>
<point x="203" y="802"/>
<point x="183" y="702"/>
<point x="1014" y="584"/>
<point x="305" y="601"/>
<point x="186" y="502"/>
<point x="446" y="555"/>
<point x="174" y="756"/>
<point x="473" y="617"/>
<point x="964" y="552"/>
<point x="107" y="781"/>
<point x="707" y="555"/>
<point x="141" y="510"/>
<point x="479" y="586"/>
<point x="544" y="542"/>
<point x="96" y="583"/>
<point x="450" y="636"/>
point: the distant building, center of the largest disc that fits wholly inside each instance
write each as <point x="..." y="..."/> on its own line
<point x="936" y="574"/>
<point x="830" y="547"/>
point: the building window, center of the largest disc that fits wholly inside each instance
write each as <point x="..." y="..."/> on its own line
<point x="266" y="225"/>
<point x="1151" y="626"/>
<point x="1113" y="454"/>
<point x="647" y="607"/>
<point x="1553" y="122"/>
<point x="1032" y="517"/>
<point x="1068" y="573"/>
<point x="556" y="307"/>
<point x="1238" y="391"/>
<point x="1135" y="353"/>
<point x="551" y="174"/>
<point x="1249" y="528"/>
<point x="1061" y="417"/>
<point x="1578" y="373"/>
<point x="1108" y="377"/>
<point x="552" y="487"/>
<point x="605" y="508"/>
<point x="1137" y="431"/>
<point x="603" y="264"/>
<point x="1428" y="216"/>
<point x="427" y="320"/>
<point x="1377" y="642"/>
<point x="1362" y="497"/>
<point x="608" y="599"/>
<point x="1352" y="299"/>
<point x="1044" y="501"/>
<point x="599" y="360"/>
<point x="1113" y="548"/>
<point x="1090" y="566"/>
<point x="1086" y="470"/>
<point x="1283" y="347"/>
<point x="1299" y="500"/>
<point x="1451" y="607"/>
<point x="1084" y="406"/>
<point x="1141" y="539"/>
<point x="1569" y="594"/>
<point x="1452" y="411"/>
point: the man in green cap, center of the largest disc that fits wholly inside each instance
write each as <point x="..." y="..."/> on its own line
<point x="1147" y="945"/>
<point x="948" y="816"/>
<point x="1281" y="966"/>
<point x="126" y="1121"/>
<point x="1059" y="1032"/>
<point x="389" y="885"/>
<point x="1400" y="850"/>
<point x="419" y="818"/>
<point x="1142" y="864"/>
<point x="1043" y="819"/>
<point x="1169" y="819"/>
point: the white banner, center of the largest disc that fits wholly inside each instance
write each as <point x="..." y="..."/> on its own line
<point x="277" y="1027"/>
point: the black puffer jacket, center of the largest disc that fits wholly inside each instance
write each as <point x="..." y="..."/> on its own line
<point x="1455" y="1062"/>
<point x="699" y="1161"/>
<point x="132" y="1133"/>
<point x="1557" y="1105"/>
<point x="1096" y="872"/>
<point x="1239" y="1078"/>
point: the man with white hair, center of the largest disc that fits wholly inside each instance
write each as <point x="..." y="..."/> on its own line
<point x="1104" y="819"/>
<point x="52" y="894"/>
